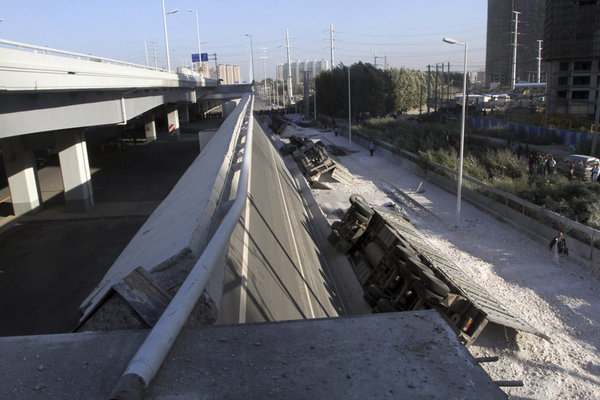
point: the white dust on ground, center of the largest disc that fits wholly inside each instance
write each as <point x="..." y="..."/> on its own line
<point x="562" y="302"/>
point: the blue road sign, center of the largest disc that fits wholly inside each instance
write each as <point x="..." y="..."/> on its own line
<point x="204" y="57"/>
<point x="195" y="57"/>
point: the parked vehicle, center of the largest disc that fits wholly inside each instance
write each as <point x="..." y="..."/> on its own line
<point x="582" y="165"/>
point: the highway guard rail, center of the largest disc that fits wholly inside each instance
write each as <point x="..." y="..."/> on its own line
<point x="150" y="356"/>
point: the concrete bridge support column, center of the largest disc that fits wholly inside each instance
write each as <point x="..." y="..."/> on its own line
<point x="21" y="171"/>
<point x="150" y="129"/>
<point x="173" y="123"/>
<point x="184" y="115"/>
<point x="75" y="171"/>
<point x="229" y="106"/>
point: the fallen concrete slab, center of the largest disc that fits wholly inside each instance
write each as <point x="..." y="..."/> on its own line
<point x="395" y="355"/>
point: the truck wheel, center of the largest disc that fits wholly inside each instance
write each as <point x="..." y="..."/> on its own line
<point x="361" y="205"/>
<point x="370" y="299"/>
<point x="385" y="306"/>
<point x="375" y="291"/>
<point x="434" y="284"/>
<point x="336" y="225"/>
<point x="333" y="237"/>
<point x="360" y="218"/>
<point x="426" y="295"/>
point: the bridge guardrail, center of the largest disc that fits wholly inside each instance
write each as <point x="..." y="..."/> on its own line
<point x="148" y="359"/>
<point x="79" y="56"/>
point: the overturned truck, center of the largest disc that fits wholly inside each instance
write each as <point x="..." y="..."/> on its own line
<point x="313" y="160"/>
<point x="399" y="271"/>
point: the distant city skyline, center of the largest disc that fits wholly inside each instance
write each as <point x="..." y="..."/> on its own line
<point x="408" y="34"/>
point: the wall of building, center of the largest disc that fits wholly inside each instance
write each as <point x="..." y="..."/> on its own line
<point x="572" y="50"/>
<point x="314" y="67"/>
<point x="500" y="27"/>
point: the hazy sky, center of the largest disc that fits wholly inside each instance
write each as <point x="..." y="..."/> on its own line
<point x="408" y="32"/>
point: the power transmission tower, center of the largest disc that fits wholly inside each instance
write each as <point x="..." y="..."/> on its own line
<point x="435" y="89"/>
<point x="428" y="86"/>
<point x="539" y="60"/>
<point x="155" y="59"/>
<point x="448" y="82"/>
<point x="264" y="58"/>
<point x="289" y="77"/>
<point x="375" y="57"/>
<point x="331" y="39"/>
<point x="514" y="63"/>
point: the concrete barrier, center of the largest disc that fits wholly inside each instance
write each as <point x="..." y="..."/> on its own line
<point x="174" y="236"/>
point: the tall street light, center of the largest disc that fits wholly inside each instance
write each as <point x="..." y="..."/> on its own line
<point x="198" y="35"/>
<point x="251" y="56"/>
<point x="462" y="127"/>
<point x="166" y="36"/>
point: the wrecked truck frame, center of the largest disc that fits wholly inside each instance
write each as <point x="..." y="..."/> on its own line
<point x="399" y="271"/>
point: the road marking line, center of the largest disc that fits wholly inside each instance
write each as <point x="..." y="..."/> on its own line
<point x="245" y="251"/>
<point x="3" y="200"/>
<point x="287" y="214"/>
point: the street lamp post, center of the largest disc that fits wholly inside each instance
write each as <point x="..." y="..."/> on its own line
<point x="251" y="56"/>
<point x="462" y="128"/>
<point x="166" y="36"/>
<point x="198" y="36"/>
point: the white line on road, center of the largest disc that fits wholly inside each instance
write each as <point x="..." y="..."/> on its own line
<point x="287" y="215"/>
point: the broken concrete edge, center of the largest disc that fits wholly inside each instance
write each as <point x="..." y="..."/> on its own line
<point x="190" y="195"/>
<point x="415" y="354"/>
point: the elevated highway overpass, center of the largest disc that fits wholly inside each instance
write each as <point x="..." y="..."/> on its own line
<point x="56" y="101"/>
<point x="280" y="276"/>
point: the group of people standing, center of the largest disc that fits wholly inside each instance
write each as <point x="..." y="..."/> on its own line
<point x="541" y="164"/>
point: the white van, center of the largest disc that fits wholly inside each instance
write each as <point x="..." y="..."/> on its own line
<point x="583" y="165"/>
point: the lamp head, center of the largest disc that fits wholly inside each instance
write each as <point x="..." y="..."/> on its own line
<point x="173" y="11"/>
<point x="190" y="10"/>
<point x="449" y="40"/>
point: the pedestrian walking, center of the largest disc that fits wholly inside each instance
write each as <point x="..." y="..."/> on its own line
<point x="371" y="148"/>
<point x="552" y="166"/>
<point x="558" y="246"/>
<point x="595" y="172"/>
<point x="531" y="162"/>
<point x="541" y="164"/>
<point x="572" y="171"/>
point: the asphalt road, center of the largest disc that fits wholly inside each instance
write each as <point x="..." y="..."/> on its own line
<point x="50" y="261"/>
<point x="274" y="269"/>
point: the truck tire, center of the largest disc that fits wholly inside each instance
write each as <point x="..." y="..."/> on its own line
<point x="334" y="237"/>
<point x="432" y="283"/>
<point x="427" y="295"/>
<point x="370" y="299"/>
<point x="375" y="291"/>
<point x="360" y="217"/>
<point x="385" y="306"/>
<point x="360" y="205"/>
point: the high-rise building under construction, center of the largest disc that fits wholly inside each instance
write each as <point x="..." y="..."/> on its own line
<point x="572" y="54"/>
<point x="499" y="62"/>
